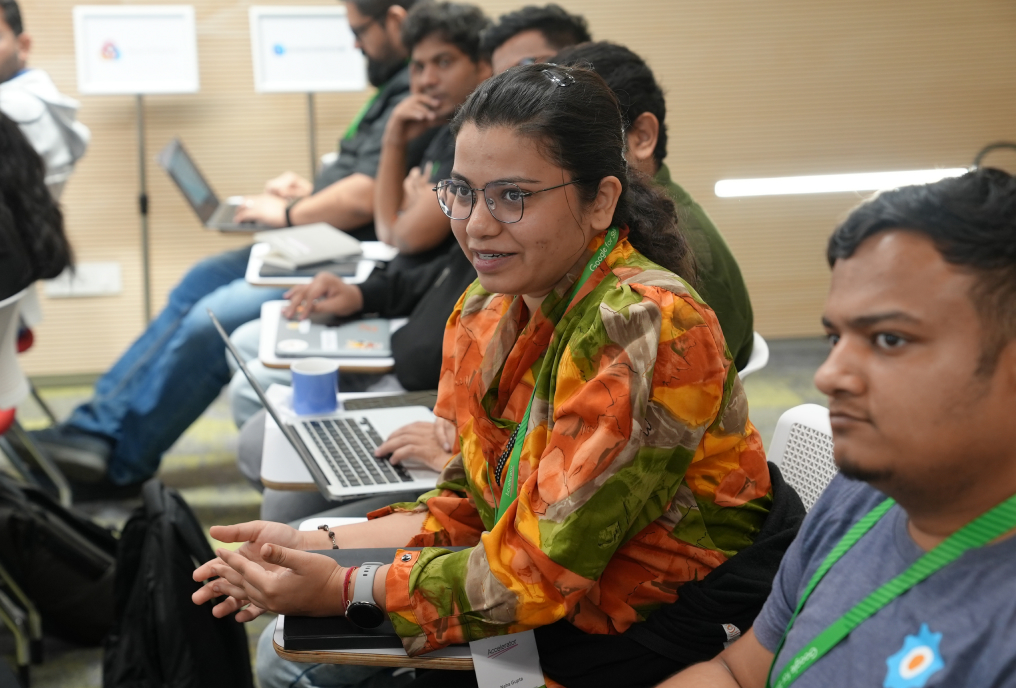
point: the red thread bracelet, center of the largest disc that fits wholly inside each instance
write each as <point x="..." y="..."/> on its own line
<point x="345" y="587"/>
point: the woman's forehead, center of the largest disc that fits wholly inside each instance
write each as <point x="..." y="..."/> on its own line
<point x="494" y="153"/>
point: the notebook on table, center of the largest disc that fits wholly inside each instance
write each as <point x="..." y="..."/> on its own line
<point x="304" y="246"/>
<point x="324" y="336"/>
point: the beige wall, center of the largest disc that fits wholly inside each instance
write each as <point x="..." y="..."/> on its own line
<point x="754" y="88"/>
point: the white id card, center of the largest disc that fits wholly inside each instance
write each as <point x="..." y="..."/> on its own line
<point x="507" y="661"/>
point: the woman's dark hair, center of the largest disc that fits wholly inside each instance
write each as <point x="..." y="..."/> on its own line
<point x="574" y="116"/>
<point x="452" y="22"/>
<point x="972" y="222"/>
<point x="631" y="80"/>
<point x="558" y="27"/>
<point x="31" y="224"/>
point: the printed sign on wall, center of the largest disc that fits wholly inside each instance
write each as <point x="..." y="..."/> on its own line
<point x="304" y="50"/>
<point x="128" y="49"/>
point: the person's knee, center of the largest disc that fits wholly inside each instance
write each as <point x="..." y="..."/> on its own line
<point x="273" y="671"/>
<point x="249" y="448"/>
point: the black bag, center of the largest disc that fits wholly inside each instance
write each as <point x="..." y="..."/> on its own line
<point x="160" y="637"/>
<point x="63" y="562"/>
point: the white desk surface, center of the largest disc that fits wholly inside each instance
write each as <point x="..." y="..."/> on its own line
<point x="281" y="467"/>
<point x="373" y="251"/>
<point x="271" y="311"/>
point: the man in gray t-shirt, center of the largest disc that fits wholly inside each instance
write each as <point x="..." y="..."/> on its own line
<point x="954" y="629"/>
<point x="921" y="381"/>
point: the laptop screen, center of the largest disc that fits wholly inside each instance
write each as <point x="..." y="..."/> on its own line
<point x="181" y="168"/>
<point x="288" y="431"/>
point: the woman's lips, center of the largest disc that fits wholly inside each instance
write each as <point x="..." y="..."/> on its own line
<point x="490" y="261"/>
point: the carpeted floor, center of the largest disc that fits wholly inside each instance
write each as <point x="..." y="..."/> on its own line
<point x="202" y="466"/>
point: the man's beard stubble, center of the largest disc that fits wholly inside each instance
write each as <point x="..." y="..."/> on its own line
<point x="381" y="70"/>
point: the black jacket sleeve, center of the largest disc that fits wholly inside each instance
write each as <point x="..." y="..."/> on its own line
<point x="690" y="630"/>
<point x="426" y="294"/>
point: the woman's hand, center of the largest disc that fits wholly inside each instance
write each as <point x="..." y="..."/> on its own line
<point x="424" y="442"/>
<point x="294" y="582"/>
<point x="325" y="294"/>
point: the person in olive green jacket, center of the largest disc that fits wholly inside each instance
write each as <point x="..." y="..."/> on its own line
<point x="644" y="110"/>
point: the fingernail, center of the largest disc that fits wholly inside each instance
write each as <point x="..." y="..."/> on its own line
<point x="216" y="588"/>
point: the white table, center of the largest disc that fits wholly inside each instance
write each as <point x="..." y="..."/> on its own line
<point x="373" y="252"/>
<point x="271" y="312"/>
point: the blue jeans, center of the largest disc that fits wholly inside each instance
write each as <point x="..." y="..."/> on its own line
<point x="174" y="370"/>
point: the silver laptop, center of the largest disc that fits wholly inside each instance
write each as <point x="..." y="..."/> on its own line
<point x="338" y="449"/>
<point x="366" y="338"/>
<point x="185" y="174"/>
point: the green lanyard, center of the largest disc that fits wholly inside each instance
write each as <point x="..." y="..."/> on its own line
<point x="358" y="117"/>
<point x="979" y="532"/>
<point x="510" y="492"/>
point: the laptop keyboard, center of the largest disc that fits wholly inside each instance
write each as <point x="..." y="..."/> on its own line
<point x="348" y="446"/>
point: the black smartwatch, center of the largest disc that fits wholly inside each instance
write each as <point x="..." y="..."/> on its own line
<point x="362" y="610"/>
<point x="289" y="207"/>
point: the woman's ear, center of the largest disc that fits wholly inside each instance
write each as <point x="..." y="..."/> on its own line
<point x="601" y="213"/>
<point x="642" y="135"/>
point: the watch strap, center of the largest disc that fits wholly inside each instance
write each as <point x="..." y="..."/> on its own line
<point x="363" y="590"/>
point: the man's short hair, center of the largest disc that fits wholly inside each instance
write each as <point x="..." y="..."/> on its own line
<point x="557" y="26"/>
<point x="12" y="16"/>
<point x="972" y="221"/>
<point x="379" y="8"/>
<point x="453" y="22"/>
<point x="629" y="77"/>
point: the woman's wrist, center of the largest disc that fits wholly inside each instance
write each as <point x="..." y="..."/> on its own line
<point x="378" y="591"/>
<point x="311" y="540"/>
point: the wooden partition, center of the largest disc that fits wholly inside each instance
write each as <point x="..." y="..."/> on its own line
<point x="783" y="87"/>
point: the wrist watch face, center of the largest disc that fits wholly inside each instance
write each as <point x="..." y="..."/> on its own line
<point x="365" y="614"/>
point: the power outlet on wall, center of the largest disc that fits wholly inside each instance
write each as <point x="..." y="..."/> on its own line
<point x="86" y="279"/>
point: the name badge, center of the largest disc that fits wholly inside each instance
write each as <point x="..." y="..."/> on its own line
<point x="507" y="661"/>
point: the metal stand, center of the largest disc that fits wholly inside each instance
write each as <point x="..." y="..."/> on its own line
<point x="312" y="134"/>
<point x="146" y="275"/>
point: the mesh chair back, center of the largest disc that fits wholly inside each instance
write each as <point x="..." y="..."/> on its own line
<point x="802" y="447"/>
<point x="13" y="385"/>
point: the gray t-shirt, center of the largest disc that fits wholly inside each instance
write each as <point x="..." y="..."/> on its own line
<point x="956" y="628"/>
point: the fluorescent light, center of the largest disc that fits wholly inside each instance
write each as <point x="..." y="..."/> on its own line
<point x="829" y="183"/>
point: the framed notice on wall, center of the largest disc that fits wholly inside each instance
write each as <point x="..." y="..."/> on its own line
<point x="131" y="49"/>
<point x="304" y="50"/>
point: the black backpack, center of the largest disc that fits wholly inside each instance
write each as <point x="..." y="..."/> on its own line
<point x="64" y="563"/>
<point x="159" y="637"/>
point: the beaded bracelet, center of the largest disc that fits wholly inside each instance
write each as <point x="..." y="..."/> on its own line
<point x="330" y="535"/>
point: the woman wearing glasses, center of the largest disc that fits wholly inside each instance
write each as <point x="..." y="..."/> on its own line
<point x="604" y="452"/>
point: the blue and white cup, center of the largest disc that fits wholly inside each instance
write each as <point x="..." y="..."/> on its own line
<point x="315" y="386"/>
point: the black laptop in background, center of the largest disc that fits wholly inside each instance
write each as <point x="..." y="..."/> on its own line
<point x="188" y="178"/>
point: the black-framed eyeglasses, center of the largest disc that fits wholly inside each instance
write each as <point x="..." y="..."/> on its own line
<point x="504" y="200"/>
<point x="358" y="31"/>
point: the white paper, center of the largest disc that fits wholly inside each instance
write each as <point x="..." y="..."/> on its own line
<point x="507" y="661"/>
<point x="304" y="50"/>
<point x="126" y="49"/>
